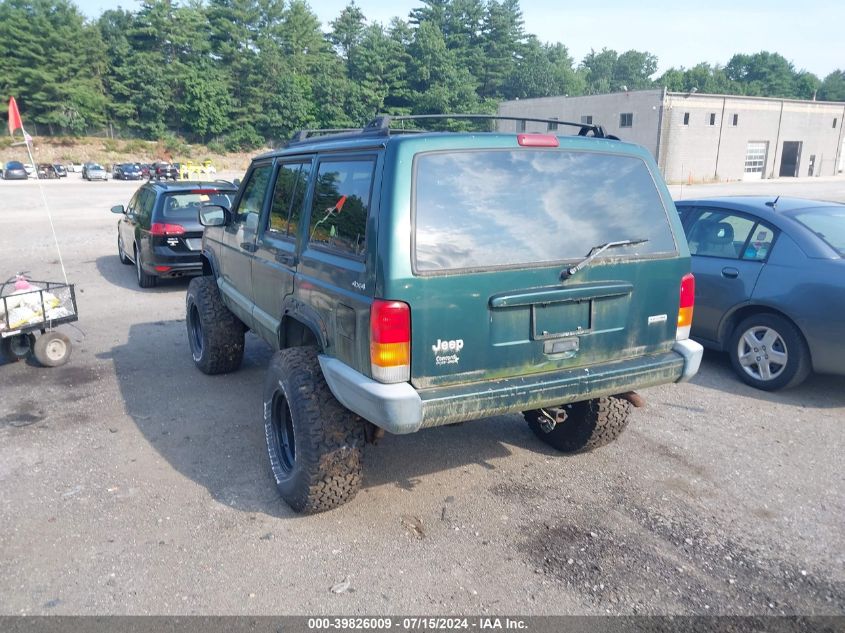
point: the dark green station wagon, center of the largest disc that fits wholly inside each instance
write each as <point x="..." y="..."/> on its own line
<point x="410" y="280"/>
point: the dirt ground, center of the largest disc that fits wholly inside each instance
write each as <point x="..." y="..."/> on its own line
<point x="130" y="483"/>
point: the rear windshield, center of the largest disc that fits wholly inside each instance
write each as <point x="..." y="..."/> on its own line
<point x="828" y="224"/>
<point x="496" y="208"/>
<point x="185" y="205"/>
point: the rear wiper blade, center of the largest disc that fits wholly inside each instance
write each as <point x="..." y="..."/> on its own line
<point x="595" y="251"/>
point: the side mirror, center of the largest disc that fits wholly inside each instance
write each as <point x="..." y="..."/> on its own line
<point x="118" y="208"/>
<point x="214" y="215"/>
<point x="237" y="182"/>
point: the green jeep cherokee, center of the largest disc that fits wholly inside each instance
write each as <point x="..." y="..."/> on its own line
<point x="410" y="280"/>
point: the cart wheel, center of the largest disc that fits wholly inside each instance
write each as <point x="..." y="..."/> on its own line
<point x="18" y="347"/>
<point x="52" y="349"/>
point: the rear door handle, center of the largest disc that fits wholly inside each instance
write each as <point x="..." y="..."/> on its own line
<point x="729" y="272"/>
<point x="249" y="247"/>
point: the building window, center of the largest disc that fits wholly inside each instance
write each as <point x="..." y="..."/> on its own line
<point x="712" y="118"/>
<point x="553" y="126"/>
<point x="626" y="119"/>
<point x="587" y="119"/>
<point x="736" y="120"/>
<point x="686" y="118"/>
<point x="520" y="125"/>
<point x="834" y="123"/>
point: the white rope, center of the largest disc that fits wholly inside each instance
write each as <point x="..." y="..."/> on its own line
<point x="46" y="206"/>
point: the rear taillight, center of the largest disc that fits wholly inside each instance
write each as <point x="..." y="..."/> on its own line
<point x="687" y="303"/>
<point x="390" y="341"/>
<point x="160" y="228"/>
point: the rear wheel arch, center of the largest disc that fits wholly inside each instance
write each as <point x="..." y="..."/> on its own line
<point x="294" y="332"/>
<point x="731" y="321"/>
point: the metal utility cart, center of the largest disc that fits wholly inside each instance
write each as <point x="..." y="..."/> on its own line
<point x="41" y="307"/>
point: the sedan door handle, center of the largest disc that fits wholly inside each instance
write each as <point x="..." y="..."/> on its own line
<point x="730" y="272"/>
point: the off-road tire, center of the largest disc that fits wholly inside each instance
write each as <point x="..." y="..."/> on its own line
<point x="798" y="363"/>
<point x="323" y="469"/>
<point x="121" y="253"/>
<point x="52" y="349"/>
<point x="215" y="335"/>
<point x="145" y="280"/>
<point x="588" y="424"/>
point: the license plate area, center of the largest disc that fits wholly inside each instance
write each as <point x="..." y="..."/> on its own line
<point x="560" y="319"/>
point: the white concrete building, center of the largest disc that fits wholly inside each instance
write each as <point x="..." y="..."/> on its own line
<point x="700" y="137"/>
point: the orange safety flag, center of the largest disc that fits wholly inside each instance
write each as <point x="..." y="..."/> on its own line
<point x="15" y="122"/>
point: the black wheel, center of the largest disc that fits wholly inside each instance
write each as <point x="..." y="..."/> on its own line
<point x="768" y="352"/>
<point x="315" y="444"/>
<point x="52" y="349"/>
<point x="586" y="425"/>
<point x="18" y="347"/>
<point x="216" y="336"/>
<point x="144" y="280"/>
<point x="121" y="253"/>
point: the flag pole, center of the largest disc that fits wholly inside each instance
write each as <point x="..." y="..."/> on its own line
<point x="14" y="123"/>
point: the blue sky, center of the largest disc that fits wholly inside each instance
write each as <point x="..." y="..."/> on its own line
<point x="811" y="36"/>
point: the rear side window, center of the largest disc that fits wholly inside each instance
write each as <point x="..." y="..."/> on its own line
<point x="497" y="208"/>
<point x="340" y="206"/>
<point x="288" y="197"/>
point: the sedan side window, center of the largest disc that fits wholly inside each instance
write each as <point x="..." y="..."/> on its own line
<point x="719" y="234"/>
<point x="760" y="244"/>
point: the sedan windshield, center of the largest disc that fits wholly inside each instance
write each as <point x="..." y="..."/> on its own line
<point x="827" y="223"/>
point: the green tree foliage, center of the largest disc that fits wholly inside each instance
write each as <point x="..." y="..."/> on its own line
<point x="833" y="87"/>
<point x="246" y="72"/>
<point x="53" y="62"/>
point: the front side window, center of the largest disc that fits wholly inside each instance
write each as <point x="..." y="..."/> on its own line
<point x="341" y="204"/>
<point x="492" y="208"/>
<point x="288" y="197"/>
<point x="252" y="199"/>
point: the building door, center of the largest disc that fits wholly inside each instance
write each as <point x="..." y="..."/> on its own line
<point x="755" y="160"/>
<point x="790" y="158"/>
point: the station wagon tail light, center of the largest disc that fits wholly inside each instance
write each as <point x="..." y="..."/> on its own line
<point x="537" y="140"/>
<point x="160" y="228"/>
<point x="685" y="311"/>
<point x="390" y="341"/>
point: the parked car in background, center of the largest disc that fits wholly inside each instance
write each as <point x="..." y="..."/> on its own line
<point x="94" y="171"/>
<point x="164" y="171"/>
<point x="46" y="171"/>
<point x="29" y="168"/>
<point x="769" y="285"/>
<point x="145" y="169"/>
<point x="14" y="170"/>
<point x="127" y="171"/>
<point x="60" y="170"/>
<point x="160" y="231"/>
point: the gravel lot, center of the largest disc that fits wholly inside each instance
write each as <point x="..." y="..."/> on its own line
<point x="130" y="483"/>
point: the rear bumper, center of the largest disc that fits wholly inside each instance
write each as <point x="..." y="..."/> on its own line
<point x="399" y="408"/>
<point x="180" y="263"/>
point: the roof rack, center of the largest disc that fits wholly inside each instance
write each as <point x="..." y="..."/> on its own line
<point x="380" y="126"/>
